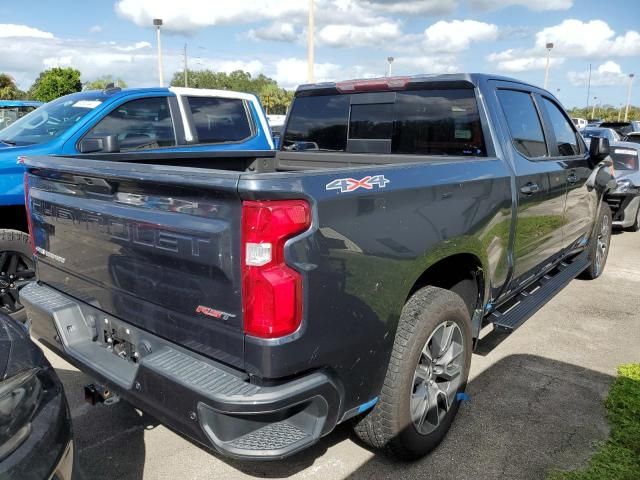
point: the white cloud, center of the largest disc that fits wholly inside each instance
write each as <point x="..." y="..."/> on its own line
<point x="588" y="39"/>
<point x="412" y="7"/>
<point x="538" y="5"/>
<point x="457" y="35"/>
<point x="10" y="30"/>
<point x="95" y="29"/>
<point x="276" y="32"/>
<point x="526" y="64"/>
<point x="607" y="74"/>
<point x="187" y="15"/>
<point x="427" y="64"/>
<point x="358" y="36"/>
<point x="291" y="72"/>
<point x="135" y="46"/>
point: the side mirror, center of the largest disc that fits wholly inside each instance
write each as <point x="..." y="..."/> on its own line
<point x="106" y="144"/>
<point x="598" y="149"/>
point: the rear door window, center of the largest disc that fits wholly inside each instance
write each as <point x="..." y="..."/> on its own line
<point x="219" y="120"/>
<point x="563" y="129"/>
<point x="139" y="124"/>
<point x="524" y="123"/>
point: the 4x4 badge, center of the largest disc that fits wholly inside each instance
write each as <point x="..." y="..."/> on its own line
<point x="352" y="184"/>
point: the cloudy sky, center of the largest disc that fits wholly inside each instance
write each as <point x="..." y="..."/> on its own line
<point x="353" y="39"/>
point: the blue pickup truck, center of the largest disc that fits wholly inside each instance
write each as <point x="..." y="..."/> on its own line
<point x="112" y="121"/>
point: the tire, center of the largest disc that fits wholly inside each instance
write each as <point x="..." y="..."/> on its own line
<point x="16" y="270"/>
<point x="636" y="225"/>
<point x="599" y="245"/>
<point x="390" y="424"/>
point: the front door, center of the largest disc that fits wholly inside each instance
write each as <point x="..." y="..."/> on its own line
<point x="566" y="147"/>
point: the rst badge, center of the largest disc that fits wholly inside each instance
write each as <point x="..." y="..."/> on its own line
<point x="351" y="184"/>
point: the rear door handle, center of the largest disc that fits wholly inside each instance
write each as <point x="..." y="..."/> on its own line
<point x="530" y="188"/>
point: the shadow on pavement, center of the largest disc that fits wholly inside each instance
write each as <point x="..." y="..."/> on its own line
<point x="527" y="415"/>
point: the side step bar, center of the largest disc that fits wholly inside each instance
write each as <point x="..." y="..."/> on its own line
<point x="518" y="310"/>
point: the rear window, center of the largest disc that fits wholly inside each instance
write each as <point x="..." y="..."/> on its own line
<point x="421" y="122"/>
<point x="219" y="120"/>
<point x="624" y="158"/>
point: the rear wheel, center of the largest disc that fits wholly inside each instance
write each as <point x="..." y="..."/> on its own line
<point x="16" y="270"/>
<point x="429" y="366"/>
<point x="599" y="245"/>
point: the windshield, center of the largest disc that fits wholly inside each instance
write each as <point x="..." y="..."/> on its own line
<point x="624" y="158"/>
<point x="8" y="115"/>
<point x="49" y="121"/>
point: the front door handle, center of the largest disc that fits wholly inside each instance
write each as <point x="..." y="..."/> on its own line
<point x="530" y="188"/>
<point x="572" y="178"/>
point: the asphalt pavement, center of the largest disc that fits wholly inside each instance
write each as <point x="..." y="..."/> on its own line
<point x="535" y="404"/>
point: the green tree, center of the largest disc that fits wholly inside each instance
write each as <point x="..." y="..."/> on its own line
<point x="276" y="100"/>
<point x="8" y="88"/>
<point x="101" y="83"/>
<point x="55" y="83"/>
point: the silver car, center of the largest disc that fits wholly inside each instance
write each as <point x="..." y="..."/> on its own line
<point x="625" y="199"/>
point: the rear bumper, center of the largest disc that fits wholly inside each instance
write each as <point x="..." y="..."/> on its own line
<point x="207" y="401"/>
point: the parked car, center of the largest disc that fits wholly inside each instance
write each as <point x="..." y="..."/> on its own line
<point x="624" y="201"/>
<point x="610" y="134"/>
<point x="346" y="282"/>
<point x="115" y="120"/>
<point x="12" y="110"/>
<point x="622" y="128"/>
<point x="580" y="123"/>
<point x="633" y="137"/>
<point x="35" y="423"/>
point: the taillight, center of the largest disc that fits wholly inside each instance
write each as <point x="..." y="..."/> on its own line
<point x="386" y="83"/>
<point x="271" y="290"/>
<point x="32" y="240"/>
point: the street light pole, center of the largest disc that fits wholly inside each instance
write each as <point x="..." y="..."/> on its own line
<point x="546" y="70"/>
<point x="310" y="33"/>
<point x="626" y="111"/>
<point x="390" y="60"/>
<point x="157" y="22"/>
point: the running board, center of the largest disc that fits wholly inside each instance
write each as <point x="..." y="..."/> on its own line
<point x="515" y="312"/>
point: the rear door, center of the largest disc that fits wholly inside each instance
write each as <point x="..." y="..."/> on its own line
<point x="154" y="246"/>
<point x="568" y="150"/>
<point x="540" y="184"/>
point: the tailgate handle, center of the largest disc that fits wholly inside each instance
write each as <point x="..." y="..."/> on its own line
<point x="97" y="185"/>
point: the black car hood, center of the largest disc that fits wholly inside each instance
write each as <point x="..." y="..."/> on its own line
<point x="17" y="351"/>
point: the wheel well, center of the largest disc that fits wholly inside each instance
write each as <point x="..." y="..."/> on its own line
<point x="461" y="273"/>
<point x="14" y="217"/>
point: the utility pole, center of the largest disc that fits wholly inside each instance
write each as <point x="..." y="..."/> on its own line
<point x="186" y="68"/>
<point x="626" y="111"/>
<point x="546" y="70"/>
<point x="310" y="34"/>
<point x="588" y="89"/>
<point x="157" y="22"/>
<point x="593" y="111"/>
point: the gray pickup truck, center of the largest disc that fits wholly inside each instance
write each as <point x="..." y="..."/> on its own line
<point x="255" y="300"/>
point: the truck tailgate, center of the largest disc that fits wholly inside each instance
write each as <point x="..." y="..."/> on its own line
<point x="157" y="247"/>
